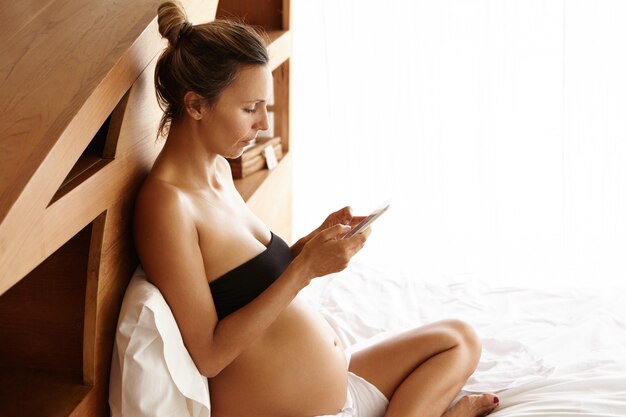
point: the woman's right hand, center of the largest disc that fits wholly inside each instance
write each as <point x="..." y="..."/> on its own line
<point x="326" y="252"/>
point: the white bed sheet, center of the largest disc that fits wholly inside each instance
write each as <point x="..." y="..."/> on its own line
<point x="546" y="352"/>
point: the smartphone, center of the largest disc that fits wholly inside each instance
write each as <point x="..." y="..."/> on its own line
<point x="367" y="221"/>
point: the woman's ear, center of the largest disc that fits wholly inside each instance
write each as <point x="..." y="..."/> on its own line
<point x="193" y="105"/>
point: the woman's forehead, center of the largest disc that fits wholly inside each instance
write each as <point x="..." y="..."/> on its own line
<point x="252" y="83"/>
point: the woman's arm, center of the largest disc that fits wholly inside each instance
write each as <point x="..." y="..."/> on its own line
<point x="323" y="254"/>
<point x="168" y="246"/>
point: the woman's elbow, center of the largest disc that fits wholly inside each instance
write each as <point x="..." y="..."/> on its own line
<point x="209" y="369"/>
<point x="211" y="366"/>
<point x="210" y="372"/>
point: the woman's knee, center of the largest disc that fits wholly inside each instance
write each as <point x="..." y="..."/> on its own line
<point x="466" y="338"/>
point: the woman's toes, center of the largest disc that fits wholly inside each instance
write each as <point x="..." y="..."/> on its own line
<point x="483" y="404"/>
<point x="474" y="406"/>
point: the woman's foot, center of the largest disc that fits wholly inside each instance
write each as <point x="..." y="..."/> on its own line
<point x="473" y="406"/>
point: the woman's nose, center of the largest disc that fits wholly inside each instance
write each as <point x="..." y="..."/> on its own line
<point x="264" y="121"/>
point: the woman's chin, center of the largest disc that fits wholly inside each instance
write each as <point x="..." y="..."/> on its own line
<point x="236" y="154"/>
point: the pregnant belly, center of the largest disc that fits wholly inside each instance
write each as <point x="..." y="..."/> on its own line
<point x="297" y="368"/>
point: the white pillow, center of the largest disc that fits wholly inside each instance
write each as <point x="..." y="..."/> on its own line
<point x="152" y="374"/>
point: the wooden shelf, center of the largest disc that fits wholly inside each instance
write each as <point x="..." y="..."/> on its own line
<point x="25" y="392"/>
<point x="269" y="14"/>
<point x="279" y="47"/>
<point x="47" y="352"/>
<point x="249" y="185"/>
<point x="42" y="316"/>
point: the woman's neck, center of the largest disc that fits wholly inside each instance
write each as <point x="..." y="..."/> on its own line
<point x="186" y="160"/>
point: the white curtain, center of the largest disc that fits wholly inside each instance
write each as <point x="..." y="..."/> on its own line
<point x="497" y="127"/>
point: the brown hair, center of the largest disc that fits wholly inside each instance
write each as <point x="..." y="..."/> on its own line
<point x="203" y="58"/>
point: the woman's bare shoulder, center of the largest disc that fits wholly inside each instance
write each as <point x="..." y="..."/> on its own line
<point x="162" y="209"/>
<point x="166" y="209"/>
<point x="154" y="188"/>
<point x="158" y="198"/>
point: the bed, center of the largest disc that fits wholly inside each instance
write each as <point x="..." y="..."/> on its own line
<point x="545" y="352"/>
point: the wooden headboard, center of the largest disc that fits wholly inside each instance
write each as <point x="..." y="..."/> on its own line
<point x="78" y="123"/>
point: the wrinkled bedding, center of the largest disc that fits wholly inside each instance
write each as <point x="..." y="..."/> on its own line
<point x="546" y="352"/>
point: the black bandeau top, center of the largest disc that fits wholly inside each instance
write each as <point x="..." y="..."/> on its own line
<point x="243" y="284"/>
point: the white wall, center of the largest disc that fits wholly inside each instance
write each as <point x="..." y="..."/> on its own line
<point x="499" y="127"/>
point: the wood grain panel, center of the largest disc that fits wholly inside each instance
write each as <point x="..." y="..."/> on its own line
<point x="91" y="298"/>
<point x="51" y="71"/>
<point x="118" y="260"/>
<point x="41" y="151"/>
<point x="16" y="16"/>
<point x="279" y="48"/>
<point x="29" y="207"/>
<point x="265" y="13"/>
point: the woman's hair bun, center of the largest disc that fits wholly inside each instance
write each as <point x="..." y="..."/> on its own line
<point x="172" y="21"/>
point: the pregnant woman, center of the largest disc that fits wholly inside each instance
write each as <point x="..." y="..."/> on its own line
<point x="232" y="284"/>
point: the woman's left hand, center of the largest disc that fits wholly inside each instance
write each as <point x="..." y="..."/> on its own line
<point x="342" y="216"/>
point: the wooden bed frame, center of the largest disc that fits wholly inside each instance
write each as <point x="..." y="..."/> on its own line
<point x="78" y="135"/>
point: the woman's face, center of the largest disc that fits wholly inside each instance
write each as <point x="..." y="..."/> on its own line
<point x="240" y="112"/>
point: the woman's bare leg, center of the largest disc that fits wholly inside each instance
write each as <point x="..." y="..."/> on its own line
<point x="421" y="371"/>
